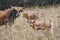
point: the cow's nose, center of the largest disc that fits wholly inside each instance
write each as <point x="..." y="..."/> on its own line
<point x="17" y="15"/>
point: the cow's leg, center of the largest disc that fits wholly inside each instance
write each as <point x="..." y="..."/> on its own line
<point x="8" y="23"/>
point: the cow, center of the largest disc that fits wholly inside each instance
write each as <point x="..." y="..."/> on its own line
<point x="9" y="15"/>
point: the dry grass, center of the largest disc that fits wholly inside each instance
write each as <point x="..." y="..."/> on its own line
<point x="21" y="30"/>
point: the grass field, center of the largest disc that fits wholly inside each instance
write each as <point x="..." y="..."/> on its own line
<point x="21" y="30"/>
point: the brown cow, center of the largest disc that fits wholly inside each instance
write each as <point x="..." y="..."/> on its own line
<point x="9" y="15"/>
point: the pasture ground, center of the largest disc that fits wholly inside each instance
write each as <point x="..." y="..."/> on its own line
<point x="21" y="30"/>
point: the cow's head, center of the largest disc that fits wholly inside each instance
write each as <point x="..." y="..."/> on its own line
<point x="15" y="12"/>
<point x="18" y="9"/>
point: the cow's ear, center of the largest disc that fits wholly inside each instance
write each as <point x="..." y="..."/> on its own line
<point x="11" y="6"/>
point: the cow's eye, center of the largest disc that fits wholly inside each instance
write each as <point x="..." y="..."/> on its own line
<point x="19" y="11"/>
